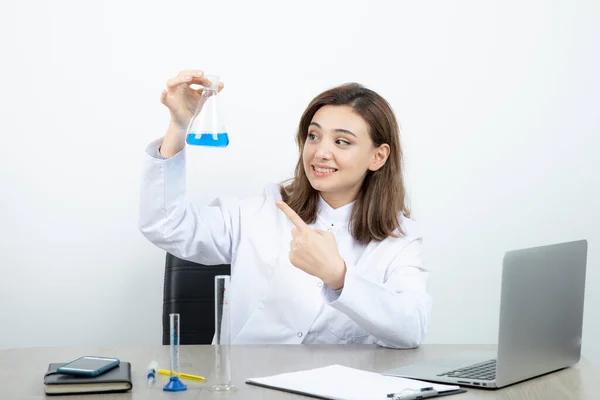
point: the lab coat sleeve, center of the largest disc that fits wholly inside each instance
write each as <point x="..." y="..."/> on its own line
<point x="396" y="311"/>
<point x="206" y="235"/>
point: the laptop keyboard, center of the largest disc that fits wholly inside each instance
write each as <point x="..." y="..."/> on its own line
<point x="485" y="371"/>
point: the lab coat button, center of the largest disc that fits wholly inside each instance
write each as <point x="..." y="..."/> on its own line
<point x="320" y="284"/>
<point x="299" y="334"/>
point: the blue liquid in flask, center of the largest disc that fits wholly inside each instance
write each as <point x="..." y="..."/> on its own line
<point x="207" y="139"/>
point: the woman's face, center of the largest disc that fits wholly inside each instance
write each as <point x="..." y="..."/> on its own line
<point x="338" y="152"/>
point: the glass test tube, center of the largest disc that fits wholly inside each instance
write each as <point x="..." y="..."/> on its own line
<point x="222" y="336"/>
<point x="174" y="384"/>
<point x="174" y="329"/>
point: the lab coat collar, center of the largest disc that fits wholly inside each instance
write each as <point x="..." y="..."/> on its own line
<point x="339" y="216"/>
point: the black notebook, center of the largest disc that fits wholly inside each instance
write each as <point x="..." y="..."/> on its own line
<point x="115" y="380"/>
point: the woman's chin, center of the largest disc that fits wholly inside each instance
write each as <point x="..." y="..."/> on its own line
<point x="322" y="188"/>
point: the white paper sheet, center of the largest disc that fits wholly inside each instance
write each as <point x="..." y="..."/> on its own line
<point x="338" y="382"/>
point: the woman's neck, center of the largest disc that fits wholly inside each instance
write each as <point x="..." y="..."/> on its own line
<point x="337" y="201"/>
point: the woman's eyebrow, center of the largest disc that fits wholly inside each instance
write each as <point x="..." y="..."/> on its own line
<point x="340" y="130"/>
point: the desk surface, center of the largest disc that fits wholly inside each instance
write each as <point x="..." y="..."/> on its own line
<point x="22" y="370"/>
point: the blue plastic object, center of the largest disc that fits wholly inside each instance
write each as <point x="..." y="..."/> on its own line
<point x="174" y="385"/>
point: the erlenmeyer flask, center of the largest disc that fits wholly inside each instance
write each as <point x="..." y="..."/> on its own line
<point x="207" y="127"/>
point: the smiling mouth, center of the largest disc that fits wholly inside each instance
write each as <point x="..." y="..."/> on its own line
<point x="320" y="171"/>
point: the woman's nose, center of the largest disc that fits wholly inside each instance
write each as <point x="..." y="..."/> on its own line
<point x="323" y="152"/>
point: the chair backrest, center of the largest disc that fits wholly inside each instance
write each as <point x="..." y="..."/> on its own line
<point x="189" y="289"/>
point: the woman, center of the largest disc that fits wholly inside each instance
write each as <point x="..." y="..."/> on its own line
<point x="330" y="257"/>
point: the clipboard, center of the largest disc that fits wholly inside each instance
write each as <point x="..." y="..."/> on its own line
<point x="338" y="382"/>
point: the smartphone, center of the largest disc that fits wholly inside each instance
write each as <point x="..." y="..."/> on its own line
<point x="89" y="366"/>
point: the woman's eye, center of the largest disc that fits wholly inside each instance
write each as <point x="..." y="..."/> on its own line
<point x="312" y="136"/>
<point x="344" y="142"/>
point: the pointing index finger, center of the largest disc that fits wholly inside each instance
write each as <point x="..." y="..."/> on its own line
<point x="291" y="214"/>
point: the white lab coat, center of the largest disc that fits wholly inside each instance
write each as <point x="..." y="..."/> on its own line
<point x="384" y="299"/>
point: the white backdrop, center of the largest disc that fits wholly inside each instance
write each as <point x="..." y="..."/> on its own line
<point x="498" y="104"/>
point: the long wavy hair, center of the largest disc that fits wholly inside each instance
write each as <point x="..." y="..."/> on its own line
<point x="381" y="199"/>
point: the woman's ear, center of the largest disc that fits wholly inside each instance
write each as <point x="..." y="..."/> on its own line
<point x="380" y="156"/>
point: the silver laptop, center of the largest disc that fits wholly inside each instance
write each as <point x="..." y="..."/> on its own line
<point x="541" y="317"/>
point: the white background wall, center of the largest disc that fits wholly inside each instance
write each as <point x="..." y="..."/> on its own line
<point x="498" y="103"/>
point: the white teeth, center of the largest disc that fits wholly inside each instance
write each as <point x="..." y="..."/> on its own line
<point x="324" y="170"/>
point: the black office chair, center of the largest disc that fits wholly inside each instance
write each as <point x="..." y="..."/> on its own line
<point x="189" y="289"/>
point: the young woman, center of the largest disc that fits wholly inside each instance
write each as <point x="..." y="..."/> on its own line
<point x="329" y="257"/>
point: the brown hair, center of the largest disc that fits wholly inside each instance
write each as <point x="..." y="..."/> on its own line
<point x="382" y="195"/>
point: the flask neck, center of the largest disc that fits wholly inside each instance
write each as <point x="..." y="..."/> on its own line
<point x="206" y="93"/>
<point x="214" y="83"/>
